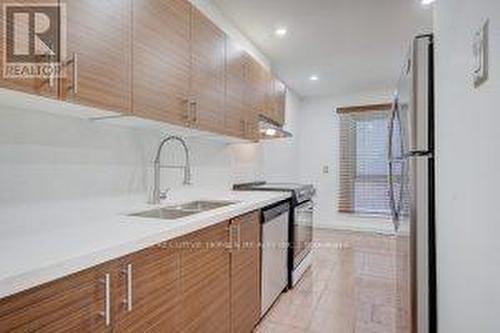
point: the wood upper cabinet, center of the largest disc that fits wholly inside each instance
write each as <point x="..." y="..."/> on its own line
<point x="237" y="105"/>
<point x="148" y="289"/>
<point x="255" y="93"/>
<point x="279" y="103"/>
<point x="98" y="61"/>
<point x="262" y="90"/>
<point x="72" y="304"/>
<point x="245" y="272"/>
<point x="35" y="86"/>
<point x="205" y="265"/>
<point x="207" y="74"/>
<point x="161" y="60"/>
<point x="158" y="59"/>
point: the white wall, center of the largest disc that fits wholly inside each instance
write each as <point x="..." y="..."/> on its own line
<point x="319" y="147"/>
<point x="280" y="156"/>
<point x="468" y="164"/>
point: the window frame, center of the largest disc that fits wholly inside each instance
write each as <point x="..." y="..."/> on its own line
<point x="348" y="175"/>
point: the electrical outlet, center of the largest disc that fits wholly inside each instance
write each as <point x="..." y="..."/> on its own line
<point x="480" y="51"/>
<point x="326" y="169"/>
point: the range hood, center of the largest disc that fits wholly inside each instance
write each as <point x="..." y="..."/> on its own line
<point x="268" y="129"/>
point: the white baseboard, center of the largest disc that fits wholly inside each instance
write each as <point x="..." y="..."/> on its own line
<point x="362" y="226"/>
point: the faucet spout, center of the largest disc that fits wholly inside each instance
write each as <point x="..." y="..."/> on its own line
<point x="157" y="166"/>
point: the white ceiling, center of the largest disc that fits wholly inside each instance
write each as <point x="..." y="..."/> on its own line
<point x="352" y="45"/>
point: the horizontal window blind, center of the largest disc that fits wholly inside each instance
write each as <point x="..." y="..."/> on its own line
<point x="364" y="168"/>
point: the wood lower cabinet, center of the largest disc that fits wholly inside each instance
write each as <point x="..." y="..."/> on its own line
<point x="148" y="291"/>
<point x="98" y="62"/>
<point x="207" y="87"/>
<point x="245" y="272"/>
<point x="206" y="281"/>
<point x="205" y="269"/>
<point x="161" y="60"/>
<point x="72" y="304"/>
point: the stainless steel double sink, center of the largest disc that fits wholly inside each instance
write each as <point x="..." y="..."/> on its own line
<point x="183" y="210"/>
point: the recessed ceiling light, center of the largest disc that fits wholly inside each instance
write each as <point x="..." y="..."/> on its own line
<point x="314" y="78"/>
<point x="280" y="32"/>
<point x="427" y="2"/>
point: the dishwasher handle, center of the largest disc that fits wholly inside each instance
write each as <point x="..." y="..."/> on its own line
<point x="274" y="211"/>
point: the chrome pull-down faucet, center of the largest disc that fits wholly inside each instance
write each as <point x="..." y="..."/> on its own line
<point x="158" y="195"/>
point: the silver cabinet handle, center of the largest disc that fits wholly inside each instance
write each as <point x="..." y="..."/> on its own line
<point x="187" y="104"/>
<point x="230" y="244"/>
<point x="75" y="73"/>
<point x="107" y="299"/>
<point x="238" y="236"/>
<point x="127" y="271"/>
<point x="51" y="75"/>
<point x="242" y="126"/>
<point x="74" y="63"/>
<point x="195" y="108"/>
<point x="192" y="111"/>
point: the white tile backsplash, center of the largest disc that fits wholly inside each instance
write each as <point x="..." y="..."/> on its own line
<point x="47" y="157"/>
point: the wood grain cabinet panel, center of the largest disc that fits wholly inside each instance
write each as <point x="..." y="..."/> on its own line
<point x="99" y="35"/>
<point x="255" y="93"/>
<point x="236" y="105"/>
<point x="161" y="60"/>
<point x="71" y="304"/>
<point x="33" y="86"/>
<point x="150" y="281"/>
<point x="279" y="96"/>
<point x="245" y="273"/>
<point x="207" y="74"/>
<point x="268" y="87"/>
<point x="251" y="99"/>
<point x="205" y="265"/>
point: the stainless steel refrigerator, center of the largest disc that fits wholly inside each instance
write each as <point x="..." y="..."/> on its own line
<point x="412" y="182"/>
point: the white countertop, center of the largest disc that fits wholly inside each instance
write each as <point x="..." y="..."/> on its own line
<point x="44" y="242"/>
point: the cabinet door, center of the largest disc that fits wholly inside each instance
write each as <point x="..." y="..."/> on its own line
<point x="205" y="262"/>
<point x="98" y="63"/>
<point x="255" y="94"/>
<point x="279" y="101"/>
<point x="148" y="291"/>
<point x="235" y="103"/>
<point x="36" y="86"/>
<point x="161" y="69"/>
<point x="72" y="304"/>
<point x="207" y="73"/>
<point x="253" y="97"/>
<point x="245" y="272"/>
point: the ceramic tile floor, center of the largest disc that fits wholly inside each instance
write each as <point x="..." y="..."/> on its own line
<point x="349" y="288"/>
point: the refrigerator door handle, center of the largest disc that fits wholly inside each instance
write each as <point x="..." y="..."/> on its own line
<point x="391" y="130"/>
<point x="392" y="199"/>
<point x="390" y="158"/>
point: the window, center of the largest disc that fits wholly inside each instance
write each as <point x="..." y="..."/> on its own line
<point x="364" y="186"/>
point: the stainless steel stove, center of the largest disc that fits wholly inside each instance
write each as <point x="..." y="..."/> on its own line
<point x="301" y="223"/>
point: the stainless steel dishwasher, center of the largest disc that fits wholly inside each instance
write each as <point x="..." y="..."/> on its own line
<point x="274" y="274"/>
